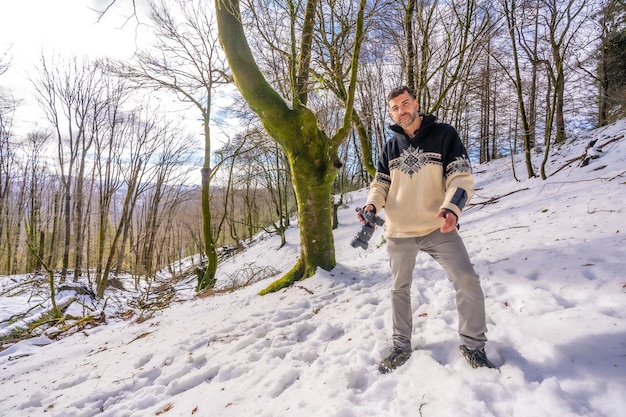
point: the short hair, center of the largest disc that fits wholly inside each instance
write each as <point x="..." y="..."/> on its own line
<point x="400" y="90"/>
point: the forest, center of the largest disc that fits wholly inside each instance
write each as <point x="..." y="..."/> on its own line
<point x="115" y="185"/>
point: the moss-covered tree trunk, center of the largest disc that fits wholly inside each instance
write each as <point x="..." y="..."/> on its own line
<point x="312" y="175"/>
<point x="312" y="155"/>
<point x="206" y="276"/>
<point x="366" y="145"/>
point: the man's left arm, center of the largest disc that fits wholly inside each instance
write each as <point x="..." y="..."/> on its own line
<point x="458" y="176"/>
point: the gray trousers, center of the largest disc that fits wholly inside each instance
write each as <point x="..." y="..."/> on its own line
<point x="449" y="251"/>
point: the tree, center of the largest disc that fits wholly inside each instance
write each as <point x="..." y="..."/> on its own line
<point x="8" y="209"/>
<point x="616" y="74"/>
<point x="332" y="53"/>
<point x="7" y="169"/>
<point x="165" y="193"/>
<point x="258" y="175"/>
<point x="442" y="41"/>
<point x="312" y="154"/>
<point x="189" y="63"/>
<point x="138" y="150"/>
<point x="510" y="15"/>
<point x="562" y="21"/>
<point x="35" y="184"/>
<point x="611" y="70"/>
<point x="109" y="149"/>
<point x="529" y="41"/>
<point x="71" y="96"/>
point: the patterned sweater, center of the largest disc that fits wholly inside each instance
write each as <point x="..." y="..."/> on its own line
<point x="417" y="177"/>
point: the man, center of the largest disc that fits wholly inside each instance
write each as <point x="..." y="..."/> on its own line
<point x="423" y="180"/>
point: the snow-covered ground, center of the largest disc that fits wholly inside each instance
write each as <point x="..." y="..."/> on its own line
<point x="552" y="263"/>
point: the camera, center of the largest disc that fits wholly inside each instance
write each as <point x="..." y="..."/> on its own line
<point x="365" y="232"/>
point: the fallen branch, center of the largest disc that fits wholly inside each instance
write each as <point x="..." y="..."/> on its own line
<point x="615" y="139"/>
<point x="20" y="287"/>
<point x="304" y="288"/>
<point x="506" y="228"/>
<point x="621" y="174"/>
<point x="494" y="200"/>
<point x="578" y="158"/>
<point x="80" y="323"/>
<point x="585" y="157"/>
<point x="36" y="324"/>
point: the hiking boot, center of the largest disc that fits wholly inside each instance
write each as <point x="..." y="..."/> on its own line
<point x="397" y="358"/>
<point x="476" y="357"/>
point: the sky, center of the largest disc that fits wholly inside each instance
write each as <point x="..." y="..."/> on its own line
<point x="550" y="255"/>
<point x="66" y="26"/>
<point x="63" y="29"/>
<point x="70" y="28"/>
<point x="58" y="28"/>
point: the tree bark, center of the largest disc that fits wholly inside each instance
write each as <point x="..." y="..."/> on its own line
<point x="510" y="16"/>
<point x="312" y="155"/>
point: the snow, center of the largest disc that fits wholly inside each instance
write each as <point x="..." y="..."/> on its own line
<point x="551" y="259"/>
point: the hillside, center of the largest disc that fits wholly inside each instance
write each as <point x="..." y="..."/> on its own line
<point x="551" y="259"/>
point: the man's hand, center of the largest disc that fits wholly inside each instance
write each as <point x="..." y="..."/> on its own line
<point x="369" y="207"/>
<point x="450" y="220"/>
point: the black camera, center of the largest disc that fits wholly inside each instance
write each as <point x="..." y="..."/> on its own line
<point x="365" y="232"/>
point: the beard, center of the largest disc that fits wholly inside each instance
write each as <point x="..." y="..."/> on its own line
<point x="406" y="119"/>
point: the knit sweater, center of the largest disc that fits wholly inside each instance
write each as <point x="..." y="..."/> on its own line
<point x="415" y="178"/>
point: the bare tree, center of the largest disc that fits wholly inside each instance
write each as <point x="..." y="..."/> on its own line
<point x="563" y="21"/>
<point x="71" y="96"/>
<point x="11" y="199"/>
<point x="445" y="38"/>
<point x="259" y="186"/>
<point x="529" y="41"/>
<point x="139" y="147"/>
<point x="170" y="166"/>
<point x="8" y="161"/>
<point x="331" y="60"/>
<point x="35" y="181"/>
<point x="187" y="61"/>
<point x="109" y="148"/>
<point x="510" y="14"/>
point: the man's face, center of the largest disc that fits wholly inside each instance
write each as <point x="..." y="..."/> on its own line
<point x="403" y="109"/>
